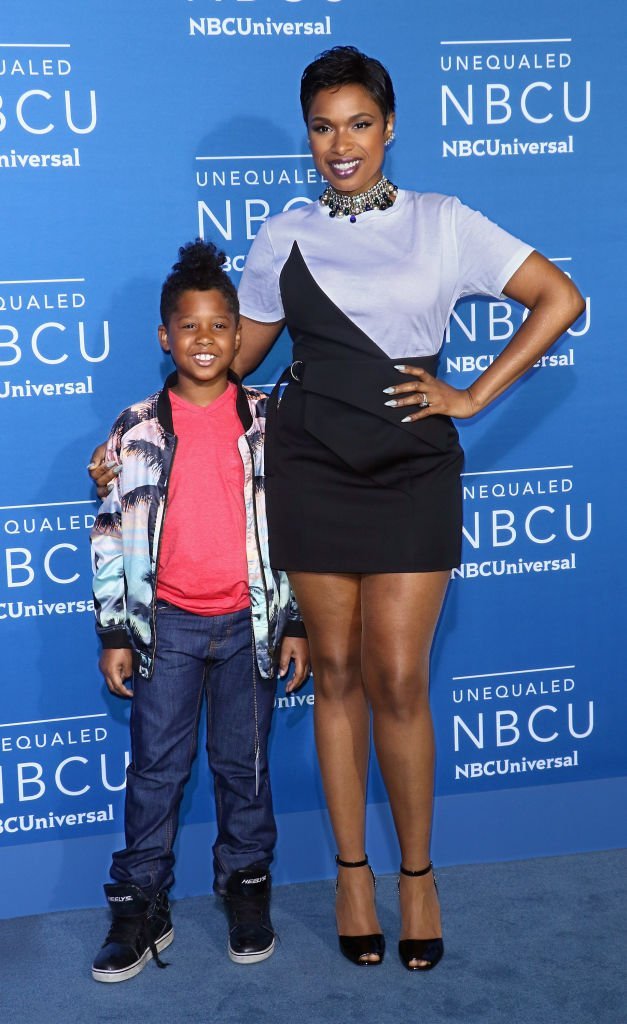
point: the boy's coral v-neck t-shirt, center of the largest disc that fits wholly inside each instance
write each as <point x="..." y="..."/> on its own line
<point x="203" y="565"/>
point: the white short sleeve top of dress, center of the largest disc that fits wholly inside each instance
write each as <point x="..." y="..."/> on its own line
<point x="397" y="273"/>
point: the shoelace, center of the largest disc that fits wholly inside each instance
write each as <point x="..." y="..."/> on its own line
<point x="132" y="931"/>
<point x="248" y="910"/>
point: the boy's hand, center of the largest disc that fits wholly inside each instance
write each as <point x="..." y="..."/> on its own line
<point x="100" y="472"/>
<point x="116" y="665"/>
<point x="297" y="648"/>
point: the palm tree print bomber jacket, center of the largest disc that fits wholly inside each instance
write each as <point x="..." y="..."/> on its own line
<point x="125" y="537"/>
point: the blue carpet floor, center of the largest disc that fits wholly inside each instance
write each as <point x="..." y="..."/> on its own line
<point x="528" y="942"/>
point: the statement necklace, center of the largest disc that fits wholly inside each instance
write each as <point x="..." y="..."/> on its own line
<point x="380" y="197"/>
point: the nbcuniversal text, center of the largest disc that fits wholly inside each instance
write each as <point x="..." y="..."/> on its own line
<point x="229" y="27"/>
<point x="521" y="567"/>
<point x="36" y="822"/>
<point x="504" y="766"/>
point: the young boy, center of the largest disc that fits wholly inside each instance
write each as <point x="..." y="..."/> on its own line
<point x="186" y="603"/>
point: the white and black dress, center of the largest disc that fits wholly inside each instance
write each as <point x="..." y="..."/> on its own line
<point x="350" y="488"/>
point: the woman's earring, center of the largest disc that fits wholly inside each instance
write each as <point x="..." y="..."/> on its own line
<point x="390" y="139"/>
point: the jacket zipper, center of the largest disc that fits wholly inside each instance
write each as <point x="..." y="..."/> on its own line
<point x="154" y="593"/>
<point x="252" y="629"/>
<point x="258" y="542"/>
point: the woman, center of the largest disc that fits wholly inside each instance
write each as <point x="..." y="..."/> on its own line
<point x="363" y="461"/>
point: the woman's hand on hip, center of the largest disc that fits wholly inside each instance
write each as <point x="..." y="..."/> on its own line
<point x="432" y="396"/>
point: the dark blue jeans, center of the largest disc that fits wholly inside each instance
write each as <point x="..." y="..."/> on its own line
<point x="198" y="655"/>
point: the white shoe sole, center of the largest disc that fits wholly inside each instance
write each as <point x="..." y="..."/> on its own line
<point x="130" y="972"/>
<point x="251" y="958"/>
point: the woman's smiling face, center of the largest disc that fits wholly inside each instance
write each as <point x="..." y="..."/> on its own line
<point x="347" y="132"/>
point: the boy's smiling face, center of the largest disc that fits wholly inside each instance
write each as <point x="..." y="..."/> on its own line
<point x="202" y="336"/>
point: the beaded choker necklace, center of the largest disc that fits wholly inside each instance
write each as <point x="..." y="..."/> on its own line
<point x="380" y="197"/>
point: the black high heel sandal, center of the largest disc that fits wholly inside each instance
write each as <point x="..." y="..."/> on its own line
<point x="429" y="950"/>
<point x="354" y="947"/>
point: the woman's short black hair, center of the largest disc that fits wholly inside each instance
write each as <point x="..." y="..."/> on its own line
<point x="198" y="268"/>
<point x="346" y="65"/>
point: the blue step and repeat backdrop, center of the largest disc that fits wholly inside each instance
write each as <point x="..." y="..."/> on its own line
<point x="127" y="130"/>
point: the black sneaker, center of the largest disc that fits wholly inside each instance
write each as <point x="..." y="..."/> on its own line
<point x="247" y="900"/>
<point x="141" y="928"/>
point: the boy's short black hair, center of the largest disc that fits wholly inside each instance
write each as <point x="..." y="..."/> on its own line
<point x="199" y="268"/>
<point x="346" y="65"/>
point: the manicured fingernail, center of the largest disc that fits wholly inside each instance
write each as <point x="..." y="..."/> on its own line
<point x="386" y="391"/>
<point x="110" y="485"/>
<point x="406" y="419"/>
<point x="401" y="368"/>
<point x="117" y="469"/>
<point x="392" y="402"/>
<point x="110" y="465"/>
<point x="91" y="465"/>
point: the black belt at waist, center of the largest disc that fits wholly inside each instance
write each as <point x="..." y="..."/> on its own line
<point x="345" y="410"/>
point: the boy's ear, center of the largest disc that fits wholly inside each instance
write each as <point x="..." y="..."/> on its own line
<point x="163" y="337"/>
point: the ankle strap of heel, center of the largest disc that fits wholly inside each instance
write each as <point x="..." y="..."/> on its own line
<point x="416" y="874"/>
<point x="351" y="863"/>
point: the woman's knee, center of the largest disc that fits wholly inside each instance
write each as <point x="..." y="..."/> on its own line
<point x="402" y="694"/>
<point x="336" y="675"/>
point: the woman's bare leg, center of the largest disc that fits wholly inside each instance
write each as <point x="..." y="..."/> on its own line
<point x="399" y="615"/>
<point x="330" y="606"/>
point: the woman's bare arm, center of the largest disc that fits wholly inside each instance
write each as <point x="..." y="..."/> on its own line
<point x="257" y="340"/>
<point x="554" y="303"/>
